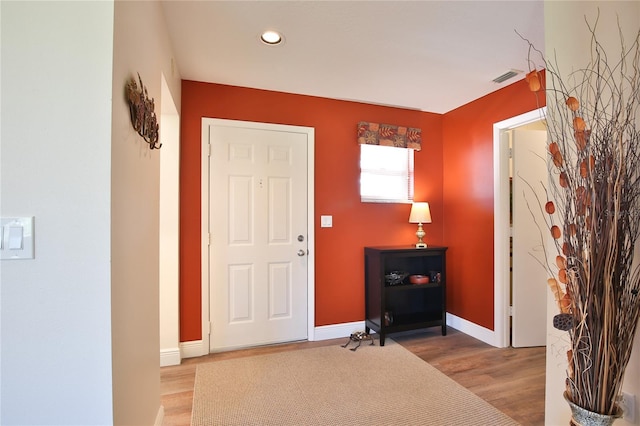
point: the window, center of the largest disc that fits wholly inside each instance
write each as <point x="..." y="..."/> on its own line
<point x="386" y="174"/>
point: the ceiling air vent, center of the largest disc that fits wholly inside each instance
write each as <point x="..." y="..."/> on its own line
<point x="506" y="76"/>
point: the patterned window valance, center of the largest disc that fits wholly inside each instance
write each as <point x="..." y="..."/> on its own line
<point x="388" y="135"/>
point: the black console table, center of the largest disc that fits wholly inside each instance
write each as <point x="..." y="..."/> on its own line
<point x="392" y="303"/>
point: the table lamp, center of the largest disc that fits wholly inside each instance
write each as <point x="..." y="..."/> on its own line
<point x="420" y="214"/>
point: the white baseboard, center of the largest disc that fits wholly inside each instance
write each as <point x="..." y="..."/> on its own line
<point x="196" y="348"/>
<point x="170" y="357"/>
<point x="472" y="329"/>
<point x="193" y="348"/>
<point x="467" y="327"/>
<point x="335" y="331"/>
<point x="159" y="416"/>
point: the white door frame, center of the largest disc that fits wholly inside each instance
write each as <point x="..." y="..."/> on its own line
<point x="310" y="131"/>
<point x="501" y="229"/>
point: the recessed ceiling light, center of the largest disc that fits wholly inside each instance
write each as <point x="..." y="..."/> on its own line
<point x="271" y="37"/>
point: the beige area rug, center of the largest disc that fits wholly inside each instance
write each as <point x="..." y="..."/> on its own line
<point x="375" y="385"/>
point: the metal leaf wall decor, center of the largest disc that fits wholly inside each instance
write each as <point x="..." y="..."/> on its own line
<point x="143" y="116"/>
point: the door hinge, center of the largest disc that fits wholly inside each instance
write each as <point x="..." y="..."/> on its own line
<point x="208" y="150"/>
<point x="209" y="239"/>
<point x="210" y="327"/>
<point x="510" y="311"/>
<point x="510" y="152"/>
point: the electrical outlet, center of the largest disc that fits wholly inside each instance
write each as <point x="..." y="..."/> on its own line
<point x="628" y="405"/>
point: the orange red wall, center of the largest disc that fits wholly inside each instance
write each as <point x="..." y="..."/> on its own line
<point x="453" y="172"/>
<point x="468" y="198"/>
<point x="339" y="250"/>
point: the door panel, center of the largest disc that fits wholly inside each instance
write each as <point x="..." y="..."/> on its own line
<point x="258" y="202"/>
<point x="279" y="212"/>
<point x="529" y="231"/>
<point x="240" y="204"/>
<point x="280" y="290"/>
<point x="240" y="292"/>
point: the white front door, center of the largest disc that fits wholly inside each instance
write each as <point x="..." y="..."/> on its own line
<point x="258" y="223"/>
<point x="530" y="233"/>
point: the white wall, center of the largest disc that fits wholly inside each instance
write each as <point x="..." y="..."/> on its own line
<point x="79" y="323"/>
<point x="141" y="45"/>
<point x="567" y="38"/>
<point x="56" y="165"/>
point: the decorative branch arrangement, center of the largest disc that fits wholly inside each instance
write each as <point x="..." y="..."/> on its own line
<point x="143" y="116"/>
<point x="593" y="215"/>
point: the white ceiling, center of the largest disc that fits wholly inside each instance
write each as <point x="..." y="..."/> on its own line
<point x="428" y="55"/>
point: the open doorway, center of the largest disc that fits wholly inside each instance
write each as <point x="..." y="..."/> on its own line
<point x="503" y="134"/>
<point x="169" y="228"/>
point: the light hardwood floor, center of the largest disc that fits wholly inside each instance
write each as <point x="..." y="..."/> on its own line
<point x="512" y="380"/>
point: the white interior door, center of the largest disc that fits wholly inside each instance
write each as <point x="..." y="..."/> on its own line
<point x="529" y="233"/>
<point x="259" y="242"/>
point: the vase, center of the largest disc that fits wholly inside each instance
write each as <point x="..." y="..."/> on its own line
<point x="583" y="417"/>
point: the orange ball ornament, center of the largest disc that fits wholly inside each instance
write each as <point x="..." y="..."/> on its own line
<point x="549" y="207"/>
<point x="572" y="103"/>
<point x="562" y="276"/>
<point x="584" y="169"/>
<point x="564" y="181"/>
<point x="557" y="159"/>
<point x="533" y="78"/>
<point x="581" y="139"/>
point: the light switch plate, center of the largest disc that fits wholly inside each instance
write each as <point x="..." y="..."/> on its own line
<point x="326" y="221"/>
<point x="17" y="232"/>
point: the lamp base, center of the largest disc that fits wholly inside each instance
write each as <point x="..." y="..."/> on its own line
<point x="420" y="234"/>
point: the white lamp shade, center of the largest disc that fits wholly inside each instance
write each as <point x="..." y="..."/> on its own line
<point x="420" y="213"/>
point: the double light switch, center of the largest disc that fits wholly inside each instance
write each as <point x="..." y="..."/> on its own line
<point x="16" y="240"/>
